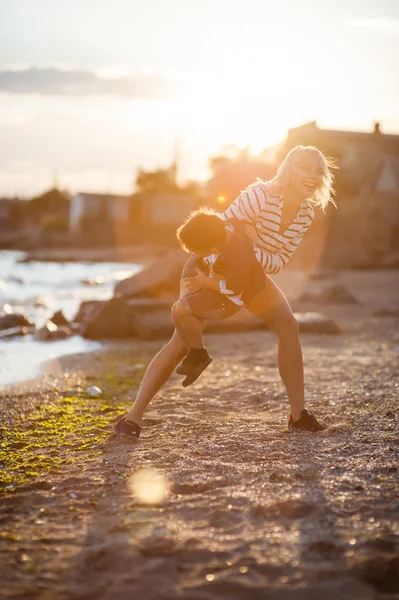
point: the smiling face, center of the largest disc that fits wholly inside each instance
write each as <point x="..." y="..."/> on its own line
<point x="307" y="175"/>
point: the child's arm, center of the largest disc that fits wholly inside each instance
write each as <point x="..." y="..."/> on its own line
<point x="207" y="283"/>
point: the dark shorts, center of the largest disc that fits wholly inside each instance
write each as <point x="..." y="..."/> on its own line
<point x="206" y="304"/>
<point x="209" y="305"/>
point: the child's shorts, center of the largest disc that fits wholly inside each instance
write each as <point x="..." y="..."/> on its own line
<point x="206" y="304"/>
<point x="209" y="305"/>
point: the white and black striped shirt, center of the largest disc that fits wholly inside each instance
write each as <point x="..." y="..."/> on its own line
<point x="263" y="211"/>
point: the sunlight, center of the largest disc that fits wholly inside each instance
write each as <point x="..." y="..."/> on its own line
<point x="254" y="101"/>
<point x="149" y="486"/>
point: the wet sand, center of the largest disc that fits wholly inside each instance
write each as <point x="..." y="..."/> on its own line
<point x="251" y="511"/>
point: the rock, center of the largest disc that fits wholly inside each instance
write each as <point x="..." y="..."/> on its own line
<point x="386" y="312"/>
<point x="58" y="318"/>
<point x="154" y="325"/>
<point x="93" y="391"/>
<point x="314" y="322"/>
<point x="160" y="277"/>
<point x="142" y="305"/>
<point x="9" y="321"/>
<point x="157" y="324"/>
<point x="381" y="572"/>
<point x="149" y="319"/>
<point x="50" y="332"/>
<point x="13" y="332"/>
<point x="112" y="319"/>
<point x="336" y="294"/>
<point x="87" y="308"/>
<point x="97" y="280"/>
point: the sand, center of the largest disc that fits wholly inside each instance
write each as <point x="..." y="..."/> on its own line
<point x="250" y="511"/>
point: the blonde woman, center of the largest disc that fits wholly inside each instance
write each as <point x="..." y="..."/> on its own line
<point x="277" y="213"/>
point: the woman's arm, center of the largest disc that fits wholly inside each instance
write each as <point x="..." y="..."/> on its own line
<point x="247" y="206"/>
<point x="273" y="262"/>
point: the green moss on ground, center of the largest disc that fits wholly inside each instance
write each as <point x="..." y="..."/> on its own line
<point x="58" y="432"/>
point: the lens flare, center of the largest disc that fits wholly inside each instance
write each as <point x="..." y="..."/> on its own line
<point x="149" y="486"/>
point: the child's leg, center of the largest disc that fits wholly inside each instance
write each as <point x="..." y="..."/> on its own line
<point x="188" y="325"/>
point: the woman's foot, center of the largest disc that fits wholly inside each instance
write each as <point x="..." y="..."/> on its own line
<point x="125" y="427"/>
<point x="306" y="422"/>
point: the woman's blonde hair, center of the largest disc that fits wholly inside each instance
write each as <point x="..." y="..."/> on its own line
<point x="300" y="154"/>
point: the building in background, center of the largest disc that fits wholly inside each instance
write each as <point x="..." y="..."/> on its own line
<point x="91" y="209"/>
<point x="137" y="218"/>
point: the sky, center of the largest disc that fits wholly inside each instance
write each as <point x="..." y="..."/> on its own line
<point x="92" y="90"/>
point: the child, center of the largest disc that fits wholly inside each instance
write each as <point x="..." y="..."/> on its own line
<point x="221" y="275"/>
<point x="225" y="274"/>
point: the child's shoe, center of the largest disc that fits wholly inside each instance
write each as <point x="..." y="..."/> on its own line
<point x="196" y="361"/>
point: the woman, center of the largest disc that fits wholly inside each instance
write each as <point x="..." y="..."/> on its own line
<point x="278" y="213"/>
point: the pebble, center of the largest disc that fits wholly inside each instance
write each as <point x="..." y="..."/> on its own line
<point x="93" y="391"/>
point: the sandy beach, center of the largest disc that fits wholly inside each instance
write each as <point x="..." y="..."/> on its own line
<point x="249" y="510"/>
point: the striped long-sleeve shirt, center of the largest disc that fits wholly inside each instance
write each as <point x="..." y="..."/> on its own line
<point x="263" y="211"/>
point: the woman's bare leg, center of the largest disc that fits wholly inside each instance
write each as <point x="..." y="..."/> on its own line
<point x="272" y="307"/>
<point x="157" y="374"/>
<point x="158" y="371"/>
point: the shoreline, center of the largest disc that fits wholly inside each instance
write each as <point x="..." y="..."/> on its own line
<point x="141" y="253"/>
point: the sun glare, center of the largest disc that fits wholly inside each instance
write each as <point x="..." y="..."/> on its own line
<point x="252" y="102"/>
<point x="149" y="486"/>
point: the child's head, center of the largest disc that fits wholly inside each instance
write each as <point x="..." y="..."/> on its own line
<point x="203" y="233"/>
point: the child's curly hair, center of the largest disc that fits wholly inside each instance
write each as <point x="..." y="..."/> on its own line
<point x="203" y="230"/>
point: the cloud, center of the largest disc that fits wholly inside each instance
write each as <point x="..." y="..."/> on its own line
<point x="387" y="26"/>
<point x="58" y="82"/>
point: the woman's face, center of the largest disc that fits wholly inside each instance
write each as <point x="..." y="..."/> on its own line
<point x="307" y="177"/>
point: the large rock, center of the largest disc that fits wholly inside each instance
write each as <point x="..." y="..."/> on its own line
<point x="59" y="319"/>
<point x="111" y="319"/>
<point x="335" y="294"/>
<point x="158" y="325"/>
<point x="87" y="308"/>
<point x="14" y="320"/>
<point x="313" y="322"/>
<point x="149" y="319"/>
<point x="159" y="278"/>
